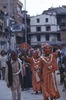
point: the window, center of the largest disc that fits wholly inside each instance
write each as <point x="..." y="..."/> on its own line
<point x="38" y="29"/>
<point x="4" y="6"/>
<point x="46" y="20"/>
<point x="58" y="37"/>
<point x="63" y="24"/>
<point x="38" y="20"/>
<point x="47" y="37"/>
<point x="38" y="37"/>
<point x="1" y="27"/>
<point x="28" y="29"/>
<point x="48" y="28"/>
<point x="0" y="23"/>
<point x="18" y="39"/>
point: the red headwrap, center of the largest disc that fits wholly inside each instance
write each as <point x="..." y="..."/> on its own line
<point x="47" y="49"/>
<point x="35" y="54"/>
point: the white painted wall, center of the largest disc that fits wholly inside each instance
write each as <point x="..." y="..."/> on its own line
<point x="43" y="38"/>
<point x="33" y="29"/>
<point x="43" y="28"/>
<point x="54" y="28"/>
<point x="51" y="21"/>
<point x="53" y="37"/>
<point x="34" y="38"/>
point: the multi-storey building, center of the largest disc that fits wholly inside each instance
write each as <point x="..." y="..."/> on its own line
<point x="14" y="9"/>
<point x="44" y="28"/>
<point x="50" y="27"/>
<point x="61" y="20"/>
<point x="3" y="35"/>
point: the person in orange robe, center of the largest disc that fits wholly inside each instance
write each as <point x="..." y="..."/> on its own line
<point x="36" y="72"/>
<point x="48" y="64"/>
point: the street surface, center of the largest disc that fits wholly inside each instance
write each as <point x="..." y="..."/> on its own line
<point x="5" y="93"/>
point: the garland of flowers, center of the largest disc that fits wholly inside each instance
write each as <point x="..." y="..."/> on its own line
<point x="47" y="58"/>
<point x="35" y="61"/>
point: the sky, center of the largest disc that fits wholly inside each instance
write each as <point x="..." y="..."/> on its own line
<point x="36" y="7"/>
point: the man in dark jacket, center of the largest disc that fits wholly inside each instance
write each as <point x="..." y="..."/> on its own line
<point x="64" y="70"/>
<point x="12" y="75"/>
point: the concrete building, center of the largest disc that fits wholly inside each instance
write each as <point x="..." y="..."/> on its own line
<point x="44" y="28"/>
<point x="14" y="9"/>
<point x="61" y="20"/>
<point x="3" y="35"/>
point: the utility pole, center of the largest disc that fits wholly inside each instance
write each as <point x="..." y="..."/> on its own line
<point x="9" y="31"/>
<point x="25" y="24"/>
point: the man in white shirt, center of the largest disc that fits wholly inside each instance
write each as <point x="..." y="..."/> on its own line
<point x="3" y="59"/>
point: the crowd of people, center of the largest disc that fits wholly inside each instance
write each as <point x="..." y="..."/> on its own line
<point x="34" y="68"/>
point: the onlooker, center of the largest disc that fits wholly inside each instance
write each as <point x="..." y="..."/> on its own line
<point x="60" y="63"/>
<point x="0" y="66"/>
<point x="64" y="71"/>
<point x="13" y="75"/>
<point x="3" y="59"/>
<point x="27" y="77"/>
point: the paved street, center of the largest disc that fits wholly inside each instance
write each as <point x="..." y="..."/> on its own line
<point x="5" y="93"/>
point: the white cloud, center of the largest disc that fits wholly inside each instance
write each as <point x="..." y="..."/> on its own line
<point x="35" y="7"/>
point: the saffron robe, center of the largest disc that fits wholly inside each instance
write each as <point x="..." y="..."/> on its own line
<point x="49" y="86"/>
<point x="36" y="76"/>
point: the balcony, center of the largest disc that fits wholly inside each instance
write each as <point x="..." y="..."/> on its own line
<point x="50" y="42"/>
<point x="20" y="14"/>
<point x="54" y="39"/>
<point x="63" y="28"/>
